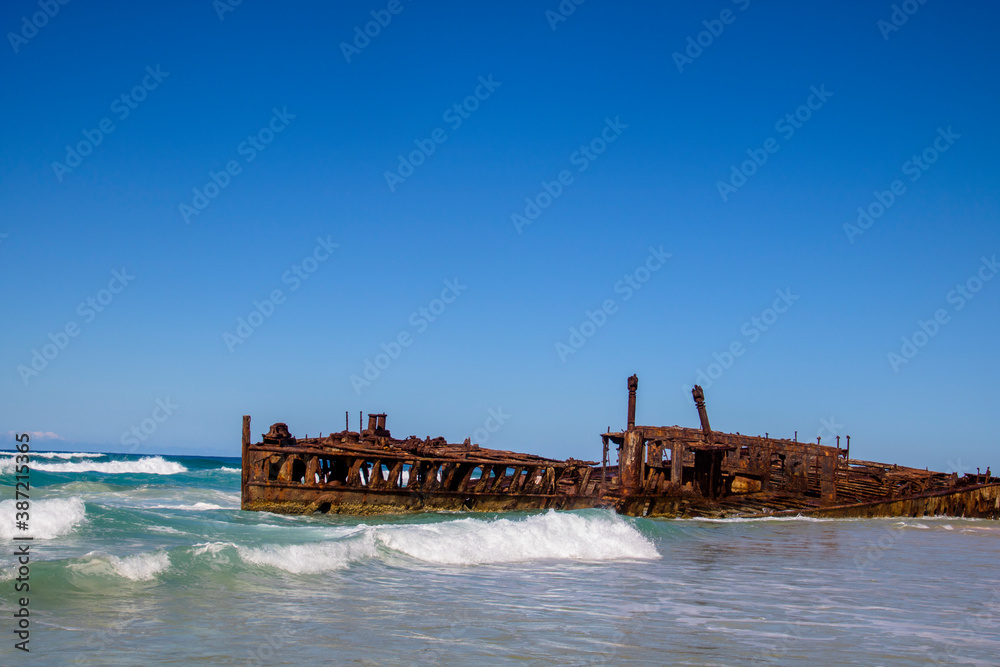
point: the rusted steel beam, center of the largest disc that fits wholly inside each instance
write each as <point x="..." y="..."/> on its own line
<point x="630" y="462"/>
<point x="633" y="384"/>
<point x="245" y="470"/>
<point x="699" y="400"/>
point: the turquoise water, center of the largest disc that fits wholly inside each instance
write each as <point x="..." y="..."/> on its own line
<point x="148" y="560"/>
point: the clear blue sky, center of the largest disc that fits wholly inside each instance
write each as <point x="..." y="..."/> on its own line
<point x="327" y="131"/>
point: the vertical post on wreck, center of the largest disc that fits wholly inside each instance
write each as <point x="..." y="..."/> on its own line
<point x="633" y="384"/>
<point x="604" y="460"/>
<point x="630" y="456"/>
<point x="245" y="456"/>
<point x="676" y="462"/>
<point x="699" y="401"/>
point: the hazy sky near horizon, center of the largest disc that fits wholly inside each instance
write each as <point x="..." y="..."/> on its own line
<point x="442" y="209"/>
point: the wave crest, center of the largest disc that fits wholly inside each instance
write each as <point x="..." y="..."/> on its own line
<point x="555" y="535"/>
<point x="139" y="567"/>
<point x="49" y="518"/>
<point x="314" y="557"/>
<point x="148" y="465"/>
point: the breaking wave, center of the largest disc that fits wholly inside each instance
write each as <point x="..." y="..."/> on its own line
<point x="296" y="558"/>
<point x="148" y="465"/>
<point x="140" y="567"/>
<point x="554" y="535"/>
<point x="66" y="455"/>
<point x="48" y="518"/>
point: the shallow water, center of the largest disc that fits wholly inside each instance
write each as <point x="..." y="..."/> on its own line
<point x="148" y="560"/>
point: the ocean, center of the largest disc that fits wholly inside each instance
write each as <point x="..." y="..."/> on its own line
<point x="148" y="560"/>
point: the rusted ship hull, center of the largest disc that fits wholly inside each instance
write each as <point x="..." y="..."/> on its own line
<point x="662" y="471"/>
<point x="979" y="502"/>
<point x="287" y="499"/>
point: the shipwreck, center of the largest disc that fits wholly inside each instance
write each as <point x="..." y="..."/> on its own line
<point x="662" y="471"/>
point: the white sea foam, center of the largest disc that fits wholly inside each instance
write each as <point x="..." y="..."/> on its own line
<point x="66" y="455"/>
<point x="48" y="518"/>
<point x="314" y="557"/>
<point x="225" y="469"/>
<point x="555" y="535"/>
<point x="194" y="507"/>
<point x="157" y="497"/>
<point x="211" y="548"/>
<point x="149" y="465"/>
<point x="139" y="567"/>
<point x="757" y="519"/>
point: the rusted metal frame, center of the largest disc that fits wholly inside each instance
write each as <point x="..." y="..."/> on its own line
<point x="431" y="481"/>
<point x="245" y="449"/>
<point x="497" y="487"/>
<point x="652" y="480"/>
<point x="312" y="471"/>
<point x="368" y="452"/>
<point x="584" y="480"/>
<point x="604" y="461"/>
<point x="514" y="477"/>
<point x="395" y="472"/>
<point x="465" y="479"/>
<point x="536" y="477"/>
<point x="401" y="493"/>
<point x="413" y="482"/>
<point x="519" y="481"/>
<point x="549" y="482"/>
<point x="354" y="472"/>
<point x="484" y="479"/>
